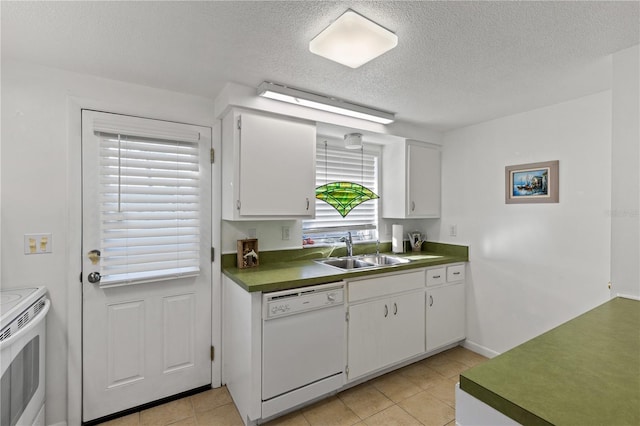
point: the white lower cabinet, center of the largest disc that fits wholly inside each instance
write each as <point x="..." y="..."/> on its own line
<point x="387" y="326"/>
<point x="445" y="322"/>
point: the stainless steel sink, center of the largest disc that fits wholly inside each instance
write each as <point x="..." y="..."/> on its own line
<point x="362" y="262"/>
<point x="383" y="259"/>
<point x="346" y="263"/>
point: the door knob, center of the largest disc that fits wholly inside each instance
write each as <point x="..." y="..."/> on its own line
<point x="94" y="277"/>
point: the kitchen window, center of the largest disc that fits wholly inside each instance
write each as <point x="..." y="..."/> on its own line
<point x="335" y="163"/>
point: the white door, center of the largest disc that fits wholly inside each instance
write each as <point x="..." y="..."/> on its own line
<point x="146" y="244"/>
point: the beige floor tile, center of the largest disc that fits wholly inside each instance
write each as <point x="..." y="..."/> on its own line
<point x="211" y="399"/>
<point x="292" y="419"/>
<point x="189" y="421"/>
<point x="432" y="361"/>
<point x="167" y="413"/>
<point x="330" y="412"/>
<point x="130" y="420"/>
<point x="445" y="391"/>
<point x="467" y="357"/>
<point x="392" y="416"/>
<point x="420" y="374"/>
<point x="395" y="386"/>
<point x="225" y="415"/>
<point x="428" y="409"/>
<point x="450" y="368"/>
<point x="365" y="400"/>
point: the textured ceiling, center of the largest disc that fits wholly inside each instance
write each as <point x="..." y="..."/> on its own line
<point x="456" y="63"/>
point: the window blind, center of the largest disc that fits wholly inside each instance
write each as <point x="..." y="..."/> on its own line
<point x="338" y="164"/>
<point x="149" y="209"/>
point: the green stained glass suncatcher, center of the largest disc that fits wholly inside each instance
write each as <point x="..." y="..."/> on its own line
<point x="344" y="196"/>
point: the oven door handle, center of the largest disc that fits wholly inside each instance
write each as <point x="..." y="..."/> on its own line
<point x="35" y="321"/>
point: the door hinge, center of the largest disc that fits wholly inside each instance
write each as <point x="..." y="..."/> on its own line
<point x="213" y="353"/>
<point x="80" y="278"/>
<point x="238" y="204"/>
<point x="213" y="254"/>
<point x="346" y="316"/>
<point x="239" y="123"/>
<point x="213" y="155"/>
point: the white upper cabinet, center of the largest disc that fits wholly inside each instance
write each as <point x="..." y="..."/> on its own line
<point x="268" y="166"/>
<point x="411" y="180"/>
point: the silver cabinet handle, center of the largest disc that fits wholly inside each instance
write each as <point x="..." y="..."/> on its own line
<point x="386" y="310"/>
<point x="413" y="205"/>
<point x="395" y="308"/>
<point x="430" y="300"/>
<point x="307" y="204"/>
<point x="456" y="273"/>
<point x="436" y="276"/>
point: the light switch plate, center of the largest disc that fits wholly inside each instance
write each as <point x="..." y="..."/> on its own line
<point x="38" y="243"/>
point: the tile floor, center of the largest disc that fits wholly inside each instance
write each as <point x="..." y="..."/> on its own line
<point x="418" y="394"/>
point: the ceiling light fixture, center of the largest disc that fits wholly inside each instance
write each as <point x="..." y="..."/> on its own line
<point x="353" y="141"/>
<point x="283" y="93"/>
<point x="353" y="40"/>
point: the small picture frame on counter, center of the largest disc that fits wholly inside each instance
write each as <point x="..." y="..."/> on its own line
<point x="248" y="253"/>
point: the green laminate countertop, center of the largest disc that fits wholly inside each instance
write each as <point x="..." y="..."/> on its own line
<point x="583" y="372"/>
<point x="284" y="271"/>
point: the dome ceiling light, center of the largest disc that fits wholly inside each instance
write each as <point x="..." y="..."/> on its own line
<point x="353" y="40"/>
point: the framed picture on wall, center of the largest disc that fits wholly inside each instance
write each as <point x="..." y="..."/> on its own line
<point x="531" y="183"/>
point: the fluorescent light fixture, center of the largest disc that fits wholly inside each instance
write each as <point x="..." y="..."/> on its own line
<point x="353" y="40"/>
<point x="313" y="100"/>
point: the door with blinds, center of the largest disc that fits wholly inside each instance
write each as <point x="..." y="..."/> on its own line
<point x="146" y="245"/>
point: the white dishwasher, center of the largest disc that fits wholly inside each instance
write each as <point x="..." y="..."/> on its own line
<point x="303" y="345"/>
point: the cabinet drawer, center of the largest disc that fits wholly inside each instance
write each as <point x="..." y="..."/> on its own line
<point x="436" y="276"/>
<point x="384" y="286"/>
<point x="455" y="273"/>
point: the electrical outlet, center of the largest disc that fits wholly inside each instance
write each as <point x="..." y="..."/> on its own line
<point x="285" y="232"/>
<point x="38" y="243"/>
<point x="453" y="230"/>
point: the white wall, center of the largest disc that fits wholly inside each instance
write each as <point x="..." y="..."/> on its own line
<point x="625" y="195"/>
<point x="40" y="188"/>
<point x="532" y="266"/>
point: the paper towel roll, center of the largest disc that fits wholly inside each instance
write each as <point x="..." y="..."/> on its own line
<point x="397" y="236"/>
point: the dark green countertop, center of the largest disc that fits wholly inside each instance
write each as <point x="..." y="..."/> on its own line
<point x="296" y="268"/>
<point x="583" y="372"/>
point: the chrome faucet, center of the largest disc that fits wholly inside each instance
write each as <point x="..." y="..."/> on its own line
<point x="349" y="243"/>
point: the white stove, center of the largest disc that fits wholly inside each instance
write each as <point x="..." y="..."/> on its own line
<point x="23" y="314"/>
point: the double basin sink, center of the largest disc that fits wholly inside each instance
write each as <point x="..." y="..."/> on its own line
<point x="367" y="261"/>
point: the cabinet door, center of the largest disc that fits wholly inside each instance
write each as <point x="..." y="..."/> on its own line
<point x="445" y="315"/>
<point x="423" y="181"/>
<point x="405" y="331"/>
<point x="277" y="166"/>
<point x="366" y="343"/>
<point x="384" y="332"/>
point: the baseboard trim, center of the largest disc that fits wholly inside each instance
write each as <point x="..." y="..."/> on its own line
<point x="482" y="350"/>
